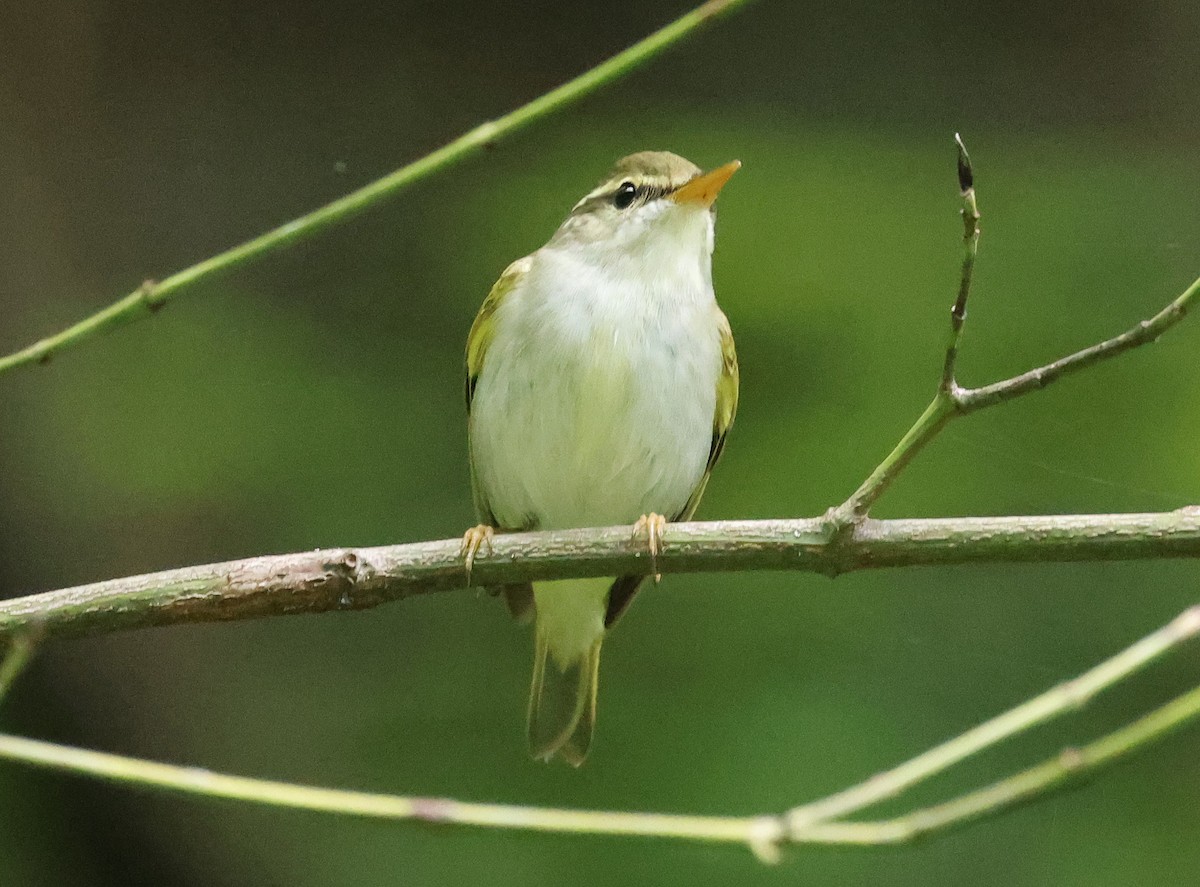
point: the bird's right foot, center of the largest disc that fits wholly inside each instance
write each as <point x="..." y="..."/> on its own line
<point x="475" y="538"/>
<point x="651" y="526"/>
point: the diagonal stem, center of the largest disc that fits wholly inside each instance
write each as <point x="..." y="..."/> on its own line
<point x="816" y="823"/>
<point x="972" y="399"/>
<point x="152" y="295"/>
<point x="925" y="429"/>
<point x="952" y="401"/>
<point x="1049" y="705"/>
<point x="1069" y="766"/>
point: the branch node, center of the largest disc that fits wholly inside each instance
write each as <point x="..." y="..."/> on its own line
<point x="435" y="810"/>
<point x="1071" y="759"/>
<point x="838" y="525"/>
<point x="1075" y="694"/>
<point x="956" y="397"/>
<point x="767" y="835"/>
<point x="346" y="571"/>
<point x="487" y="135"/>
<point x="150" y="295"/>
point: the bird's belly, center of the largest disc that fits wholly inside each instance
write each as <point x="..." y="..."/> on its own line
<point x="611" y="422"/>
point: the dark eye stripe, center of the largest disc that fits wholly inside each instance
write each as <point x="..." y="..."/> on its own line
<point x="627" y="193"/>
<point x="644" y="193"/>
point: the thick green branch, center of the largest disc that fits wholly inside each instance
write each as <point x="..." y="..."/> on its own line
<point x="345" y="579"/>
<point x="152" y="295"/>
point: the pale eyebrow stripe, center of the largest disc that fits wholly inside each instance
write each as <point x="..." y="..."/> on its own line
<point x="646" y="191"/>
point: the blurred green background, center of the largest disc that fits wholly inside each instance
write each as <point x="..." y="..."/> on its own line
<point x="315" y="400"/>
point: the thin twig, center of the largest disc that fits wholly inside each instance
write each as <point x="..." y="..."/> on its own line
<point x="1064" y="698"/>
<point x="971" y="399"/>
<point x="952" y="401"/>
<point x="950" y="404"/>
<point x="970" y="217"/>
<point x="153" y="295"/>
<point x="925" y="429"/>
<point x="346" y="579"/>
<point x="749" y="830"/>
<point x="817" y="823"/>
<point x="1069" y="766"/>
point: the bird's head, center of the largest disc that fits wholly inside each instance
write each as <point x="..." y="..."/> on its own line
<point x="653" y="207"/>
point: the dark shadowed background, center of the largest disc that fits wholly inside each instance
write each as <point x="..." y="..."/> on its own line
<point x="314" y="399"/>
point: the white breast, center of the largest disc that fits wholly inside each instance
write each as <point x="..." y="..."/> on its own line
<point x="595" y="402"/>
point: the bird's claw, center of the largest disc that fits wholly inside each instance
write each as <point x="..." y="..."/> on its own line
<point x="472" y="541"/>
<point x="652" y="525"/>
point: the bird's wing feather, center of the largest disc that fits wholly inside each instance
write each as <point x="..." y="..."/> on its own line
<point x="519" y="597"/>
<point x="623" y="589"/>
<point x="483" y="330"/>
<point x="727" y="400"/>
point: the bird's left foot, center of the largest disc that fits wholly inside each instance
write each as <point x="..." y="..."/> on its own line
<point x="652" y="525"/>
<point x="475" y="538"/>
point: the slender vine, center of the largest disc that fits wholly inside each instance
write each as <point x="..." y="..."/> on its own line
<point x="820" y="822"/>
<point x="153" y="295"/>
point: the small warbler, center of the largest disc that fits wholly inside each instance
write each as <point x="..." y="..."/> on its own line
<point x="601" y="383"/>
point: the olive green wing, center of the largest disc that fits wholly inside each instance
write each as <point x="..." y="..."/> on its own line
<point x="727" y="401"/>
<point x="483" y="331"/>
<point x="479" y="339"/>
<point x="623" y="589"/>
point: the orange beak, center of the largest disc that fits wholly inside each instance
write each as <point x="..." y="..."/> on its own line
<point x="703" y="189"/>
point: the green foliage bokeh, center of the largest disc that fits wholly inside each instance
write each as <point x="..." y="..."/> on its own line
<point x="315" y="400"/>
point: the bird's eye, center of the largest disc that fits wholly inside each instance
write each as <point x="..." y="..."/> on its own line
<point x="625" y="194"/>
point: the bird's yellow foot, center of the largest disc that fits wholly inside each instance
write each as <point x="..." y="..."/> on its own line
<point x="652" y="525"/>
<point x="472" y="541"/>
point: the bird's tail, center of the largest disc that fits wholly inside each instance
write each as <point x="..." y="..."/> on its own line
<point x="566" y="663"/>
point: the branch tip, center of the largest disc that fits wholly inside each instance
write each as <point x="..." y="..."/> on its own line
<point x="966" y="173"/>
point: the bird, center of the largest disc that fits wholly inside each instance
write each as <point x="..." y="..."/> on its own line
<point x="601" y="383"/>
